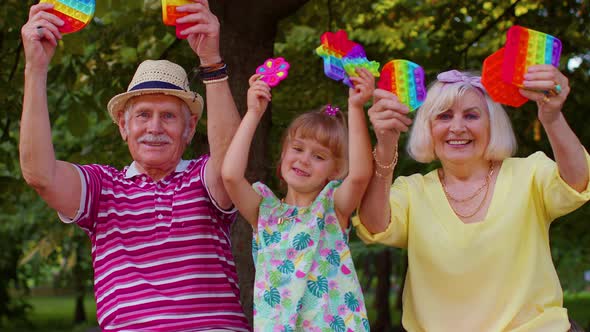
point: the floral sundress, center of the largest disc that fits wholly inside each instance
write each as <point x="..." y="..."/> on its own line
<point x="305" y="276"/>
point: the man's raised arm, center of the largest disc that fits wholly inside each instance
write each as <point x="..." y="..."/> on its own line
<point x="57" y="182"/>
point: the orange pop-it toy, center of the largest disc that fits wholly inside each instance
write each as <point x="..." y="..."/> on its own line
<point x="500" y="91"/>
<point x="170" y="14"/>
<point x="503" y="71"/>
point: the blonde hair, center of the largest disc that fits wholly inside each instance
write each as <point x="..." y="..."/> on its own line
<point x="440" y="97"/>
<point x="328" y="130"/>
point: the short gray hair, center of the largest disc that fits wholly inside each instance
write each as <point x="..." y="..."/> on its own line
<point x="439" y="99"/>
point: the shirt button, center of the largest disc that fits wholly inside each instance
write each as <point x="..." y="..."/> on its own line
<point x="159" y="199"/>
<point x="160" y="216"/>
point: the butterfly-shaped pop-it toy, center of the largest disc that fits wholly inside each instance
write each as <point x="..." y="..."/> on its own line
<point x="273" y="71"/>
<point x="342" y="56"/>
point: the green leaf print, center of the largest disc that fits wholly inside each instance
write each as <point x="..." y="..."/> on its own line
<point x="272" y="297"/>
<point x="334" y="294"/>
<point x="322" y="223"/>
<point x="254" y="245"/>
<point x="275" y="237"/>
<point x="287" y="267"/>
<point x="287" y="328"/>
<point x="366" y="324"/>
<point x="301" y="241"/>
<point x="338" y="324"/>
<point x="332" y="229"/>
<point x="324" y="267"/>
<point x="351" y="301"/>
<point x="275" y="278"/>
<point x="287" y="303"/>
<point x="334" y="258"/>
<point x="318" y="287"/>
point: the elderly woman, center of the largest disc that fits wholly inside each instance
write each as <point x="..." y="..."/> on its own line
<point x="476" y="229"/>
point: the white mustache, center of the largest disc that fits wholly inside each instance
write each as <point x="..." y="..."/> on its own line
<point x="150" y="138"/>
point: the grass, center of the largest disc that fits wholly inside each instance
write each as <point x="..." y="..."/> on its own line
<point x="55" y="313"/>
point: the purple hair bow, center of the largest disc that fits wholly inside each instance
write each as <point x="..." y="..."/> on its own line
<point x="332" y="110"/>
<point x="455" y="76"/>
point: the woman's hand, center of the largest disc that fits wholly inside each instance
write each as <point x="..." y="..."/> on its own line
<point x="258" y="95"/>
<point x="546" y="85"/>
<point x="388" y="116"/>
<point x="364" y="85"/>
<point x="40" y="36"/>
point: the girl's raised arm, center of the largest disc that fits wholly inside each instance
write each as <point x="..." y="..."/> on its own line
<point x="234" y="166"/>
<point x="349" y="194"/>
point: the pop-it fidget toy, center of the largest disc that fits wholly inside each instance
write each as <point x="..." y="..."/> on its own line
<point x="273" y="71"/>
<point x="170" y="14"/>
<point x="491" y="78"/>
<point x="342" y="56"/>
<point x="503" y="71"/>
<point x="526" y="47"/>
<point x="76" y="14"/>
<point x="406" y="80"/>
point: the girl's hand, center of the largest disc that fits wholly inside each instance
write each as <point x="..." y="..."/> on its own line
<point x="388" y="116"/>
<point x="258" y="94"/>
<point x="546" y="85"/>
<point x="203" y="35"/>
<point x="40" y="36"/>
<point x="364" y="85"/>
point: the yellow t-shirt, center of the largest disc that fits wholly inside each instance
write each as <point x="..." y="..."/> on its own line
<point x="494" y="275"/>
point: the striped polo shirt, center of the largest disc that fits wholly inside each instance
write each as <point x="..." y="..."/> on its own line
<point x="161" y="250"/>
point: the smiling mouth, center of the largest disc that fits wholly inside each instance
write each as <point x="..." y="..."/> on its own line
<point x="154" y="143"/>
<point x="459" y="142"/>
<point x="300" y="172"/>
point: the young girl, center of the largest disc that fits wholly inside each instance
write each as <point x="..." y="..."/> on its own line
<point x="305" y="277"/>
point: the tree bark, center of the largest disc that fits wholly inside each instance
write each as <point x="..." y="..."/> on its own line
<point x="248" y="30"/>
<point x="384" y="268"/>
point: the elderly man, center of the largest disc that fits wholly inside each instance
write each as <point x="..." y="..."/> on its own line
<point x="160" y="227"/>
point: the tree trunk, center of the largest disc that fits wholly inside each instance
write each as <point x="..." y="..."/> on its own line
<point x="383" y="291"/>
<point x="248" y="30"/>
<point x="403" y="270"/>
<point x="79" y="287"/>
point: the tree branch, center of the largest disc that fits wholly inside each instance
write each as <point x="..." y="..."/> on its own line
<point x="489" y="27"/>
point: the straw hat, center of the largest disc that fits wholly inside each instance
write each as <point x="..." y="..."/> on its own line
<point x="157" y="76"/>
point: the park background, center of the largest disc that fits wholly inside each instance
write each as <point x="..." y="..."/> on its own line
<point x="45" y="267"/>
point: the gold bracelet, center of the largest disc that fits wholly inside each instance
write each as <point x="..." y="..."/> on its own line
<point x="383" y="176"/>
<point x="380" y="165"/>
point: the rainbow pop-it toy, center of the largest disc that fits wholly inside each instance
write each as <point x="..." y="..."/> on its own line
<point x="525" y="47"/>
<point x="170" y="14"/>
<point x="500" y="91"/>
<point x="503" y="71"/>
<point x="76" y="14"/>
<point x="406" y="80"/>
<point x="342" y="56"/>
<point x="273" y="71"/>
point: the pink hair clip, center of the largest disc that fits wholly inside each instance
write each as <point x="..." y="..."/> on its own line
<point x="332" y="110"/>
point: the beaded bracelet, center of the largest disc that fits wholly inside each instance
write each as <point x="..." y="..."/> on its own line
<point x="214" y="72"/>
<point x="380" y="165"/>
<point x="219" y="80"/>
